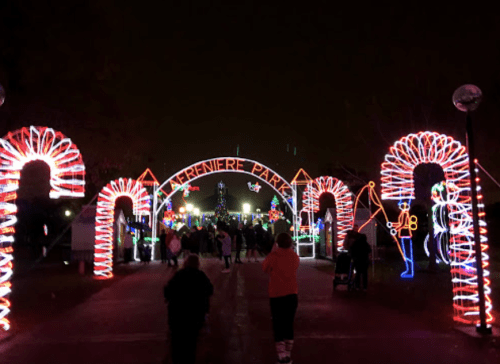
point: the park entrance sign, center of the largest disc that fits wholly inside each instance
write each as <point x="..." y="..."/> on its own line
<point x="224" y="165"/>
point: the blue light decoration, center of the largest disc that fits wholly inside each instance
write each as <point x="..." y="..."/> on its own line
<point x="189" y="220"/>
<point x="403" y="229"/>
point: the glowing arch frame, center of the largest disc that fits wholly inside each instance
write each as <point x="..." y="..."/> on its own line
<point x="343" y="200"/>
<point x="104" y="219"/>
<point x="67" y="179"/>
<point x="221" y="165"/>
<point x="398" y="184"/>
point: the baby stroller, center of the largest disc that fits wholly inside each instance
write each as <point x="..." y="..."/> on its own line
<point x="343" y="271"/>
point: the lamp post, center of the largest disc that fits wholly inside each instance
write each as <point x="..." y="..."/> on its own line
<point x="466" y="98"/>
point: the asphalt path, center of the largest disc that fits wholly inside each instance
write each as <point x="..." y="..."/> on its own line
<point x="127" y="323"/>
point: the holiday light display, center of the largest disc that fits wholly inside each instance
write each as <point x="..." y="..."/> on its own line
<point x="343" y="200"/>
<point x="67" y="179"/>
<point x="254" y="187"/>
<point x="169" y="215"/>
<point x="398" y="184"/>
<point x="274" y="214"/>
<point x="103" y="255"/>
<point x="375" y="200"/>
<point x="403" y="229"/>
<point x="440" y="222"/>
<point x="227" y="165"/>
<point x="221" y="208"/>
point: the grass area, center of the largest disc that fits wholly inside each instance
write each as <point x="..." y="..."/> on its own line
<point x="47" y="291"/>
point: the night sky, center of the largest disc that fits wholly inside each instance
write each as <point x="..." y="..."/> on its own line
<point x="164" y="84"/>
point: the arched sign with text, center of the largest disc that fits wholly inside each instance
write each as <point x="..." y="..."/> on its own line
<point x="227" y="164"/>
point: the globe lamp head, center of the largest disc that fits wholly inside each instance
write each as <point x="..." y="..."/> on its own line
<point x="467" y="98"/>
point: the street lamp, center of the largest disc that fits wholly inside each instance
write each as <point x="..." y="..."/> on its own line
<point x="182" y="210"/>
<point x="466" y="98"/>
<point x="246" y="208"/>
<point x="196" y="211"/>
<point x="189" y="207"/>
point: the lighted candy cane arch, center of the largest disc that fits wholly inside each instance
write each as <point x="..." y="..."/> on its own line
<point x="397" y="184"/>
<point x="67" y="179"/>
<point x="343" y="201"/>
<point x="105" y="216"/>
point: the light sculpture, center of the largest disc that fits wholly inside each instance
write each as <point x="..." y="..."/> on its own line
<point x="254" y="187"/>
<point x="343" y="200"/>
<point x="67" y="179"/>
<point x="398" y="184"/>
<point x="403" y="229"/>
<point x="440" y="222"/>
<point x="103" y="255"/>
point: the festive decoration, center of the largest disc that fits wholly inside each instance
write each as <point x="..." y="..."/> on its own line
<point x="67" y="179"/>
<point x="440" y="222"/>
<point x="169" y="215"/>
<point x="103" y="256"/>
<point x="403" y="229"/>
<point x="221" y="208"/>
<point x="254" y="187"/>
<point x="231" y="165"/>
<point x="397" y="184"/>
<point x="274" y="214"/>
<point x="375" y="200"/>
<point x="343" y="200"/>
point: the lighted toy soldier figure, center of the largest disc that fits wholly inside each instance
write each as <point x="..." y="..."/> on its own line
<point x="403" y="229"/>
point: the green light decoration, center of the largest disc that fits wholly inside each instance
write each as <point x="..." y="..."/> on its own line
<point x="304" y="237"/>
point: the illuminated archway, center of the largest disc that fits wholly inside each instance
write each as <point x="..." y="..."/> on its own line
<point x="398" y="184"/>
<point x="103" y="255"/>
<point x="223" y="165"/>
<point x="343" y="201"/>
<point x="67" y="179"/>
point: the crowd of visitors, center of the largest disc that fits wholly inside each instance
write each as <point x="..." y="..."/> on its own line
<point x="189" y="291"/>
<point x="220" y="241"/>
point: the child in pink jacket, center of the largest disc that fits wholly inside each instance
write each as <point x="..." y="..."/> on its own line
<point x="281" y="265"/>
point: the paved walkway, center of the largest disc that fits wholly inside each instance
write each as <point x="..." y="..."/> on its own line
<point x="126" y="323"/>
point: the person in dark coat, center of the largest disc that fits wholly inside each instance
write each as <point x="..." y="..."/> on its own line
<point x="251" y="242"/>
<point x="163" y="246"/>
<point x="188" y="296"/>
<point x="360" y="252"/>
<point x="194" y="241"/>
<point x="238" y="240"/>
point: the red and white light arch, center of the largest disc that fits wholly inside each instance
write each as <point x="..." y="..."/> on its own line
<point x="343" y="201"/>
<point x="398" y="184"/>
<point x="105" y="216"/>
<point x="67" y="179"/>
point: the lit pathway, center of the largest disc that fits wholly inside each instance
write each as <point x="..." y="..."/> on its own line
<point x="126" y="323"/>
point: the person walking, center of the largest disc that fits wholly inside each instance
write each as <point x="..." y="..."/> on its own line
<point x="226" y="249"/>
<point x="163" y="246"/>
<point x="188" y="297"/>
<point x="128" y="245"/>
<point x="251" y="243"/>
<point x="185" y="241"/>
<point x="238" y="242"/>
<point x="194" y="241"/>
<point x="360" y="252"/>
<point x="281" y="265"/>
<point x="218" y="239"/>
<point x="171" y="251"/>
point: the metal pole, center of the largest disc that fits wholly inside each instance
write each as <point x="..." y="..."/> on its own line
<point x="155" y="221"/>
<point x="482" y="327"/>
